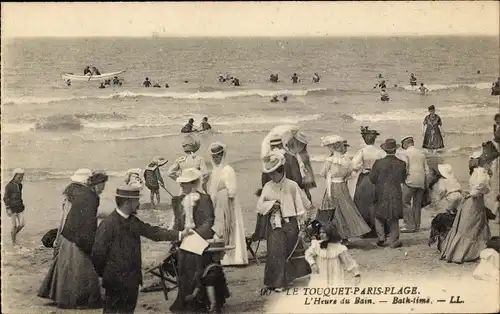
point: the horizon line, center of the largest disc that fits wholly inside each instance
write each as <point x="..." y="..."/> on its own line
<point x="156" y="36"/>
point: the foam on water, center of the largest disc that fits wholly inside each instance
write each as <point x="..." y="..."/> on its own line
<point x="418" y="114"/>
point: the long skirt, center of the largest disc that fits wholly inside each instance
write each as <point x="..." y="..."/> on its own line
<point x="281" y="242"/>
<point x="189" y="265"/>
<point x="340" y="208"/>
<point x="433" y="138"/>
<point x="363" y="199"/>
<point x="236" y="238"/>
<point x="71" y="281"/>
<point x="469" y="233"/>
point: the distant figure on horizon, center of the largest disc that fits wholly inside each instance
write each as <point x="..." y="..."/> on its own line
<point x="295" y="78"/>
<point x="274" y="99"/>
<point x="285" y="98"/>
<point x="188" y="128"/>
<point x="273" y="78"/>
<point x="147" y="82"/>
<point x="166" y="85"/>
<point x="87" y="70"/>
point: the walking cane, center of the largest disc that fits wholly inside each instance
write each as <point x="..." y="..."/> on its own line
<point x="167" y="191"/>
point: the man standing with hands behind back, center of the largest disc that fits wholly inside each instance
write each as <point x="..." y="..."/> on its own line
<point x="414" y="186"/>
<point x="116" y="253"/>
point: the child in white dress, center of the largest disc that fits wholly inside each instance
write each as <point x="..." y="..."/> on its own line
<point x="329" y="259"/>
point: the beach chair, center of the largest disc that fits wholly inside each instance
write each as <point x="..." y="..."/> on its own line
<point x="166" y="270"/>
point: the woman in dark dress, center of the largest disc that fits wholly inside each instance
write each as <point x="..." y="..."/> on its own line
<point x="433" y="131"/>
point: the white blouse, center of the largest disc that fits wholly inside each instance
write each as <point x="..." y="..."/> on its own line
<point x="479" y="182"/>
<point x="332" y="262"/>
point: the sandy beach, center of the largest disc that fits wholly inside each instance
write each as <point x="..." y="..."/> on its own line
<point x="25" y="267"/>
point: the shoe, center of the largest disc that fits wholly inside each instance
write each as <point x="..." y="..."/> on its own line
<point x="396" y="245"/>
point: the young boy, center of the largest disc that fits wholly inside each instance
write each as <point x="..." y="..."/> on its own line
<point x="153" y="179"/>
<point x="13" y="199"/>
<point x="212" y="279"/>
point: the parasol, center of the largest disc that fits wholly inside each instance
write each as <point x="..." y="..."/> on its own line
<point x="286" y="132"/>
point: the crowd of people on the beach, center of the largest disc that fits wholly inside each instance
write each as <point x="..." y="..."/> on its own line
<point x="394" y="181"/>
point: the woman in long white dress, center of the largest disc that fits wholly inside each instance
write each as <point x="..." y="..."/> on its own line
<point x="228" y="223"/>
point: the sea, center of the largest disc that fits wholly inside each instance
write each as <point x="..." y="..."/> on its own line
<point x="51" y="129"/>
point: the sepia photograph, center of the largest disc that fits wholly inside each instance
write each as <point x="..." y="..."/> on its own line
<point x="250" y="157"/>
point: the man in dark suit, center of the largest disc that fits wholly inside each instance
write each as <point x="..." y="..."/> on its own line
<point x="388" y="174"/>
<point x="116" y="253"/>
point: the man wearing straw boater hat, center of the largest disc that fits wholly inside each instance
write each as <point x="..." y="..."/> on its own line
<point x="13" y="199"/>
<point x="116" y="253"/>
<point x="388" y="174"/>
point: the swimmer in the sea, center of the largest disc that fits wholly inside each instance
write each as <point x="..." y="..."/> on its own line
<point x="379" y="76"/>
<point x="316" y="78"/>
<point x="68" y="82"/>
<point x="381" y="85"/>
<point x="285" y="98"/>
<point x="157" y="85"/>
<point x="413" y="80"/>
<point x="166" y="85"/>
<point x="87" y="71"/>
<point x="384" y="96"/>
<point x="102" y="85"/>
<point x="295" y="78"/>
<point x="422" y="89"/>
<point x="147" y="82"/>
<point x="221" y="79"/>
<point x="95" y="71"/>
<point x="273" y="78"/>
<point x="235" y="82"/>
<point x="116" y="80"/>
<point x="274" y="99"/>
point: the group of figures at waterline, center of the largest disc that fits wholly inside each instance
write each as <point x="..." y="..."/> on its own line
<point x="208" y="204"/>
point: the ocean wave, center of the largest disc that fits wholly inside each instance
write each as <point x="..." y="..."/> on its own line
<point x="438" y="87"/>
<point x="418" y="114"/>
<point x="218" y="94"/>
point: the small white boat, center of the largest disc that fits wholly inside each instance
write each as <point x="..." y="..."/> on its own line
<point x="103" y="76"/>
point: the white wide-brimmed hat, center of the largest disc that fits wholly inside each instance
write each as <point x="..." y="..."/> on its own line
<point x="17" y="171"/>
<point x="273" y="161"/>
<point x="446" y="170"/>
<point x="332" y="139"/>
<point x="189" y="175"/>
<point x="216" y="148"/>
<point x="81" y="176"/>
<point x="406" y="138"/>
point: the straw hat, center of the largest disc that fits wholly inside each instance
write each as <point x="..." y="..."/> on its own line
<point x="189" y="175"/>
<point x="81" y="176"/>
<point x="406" y="138"/>
<point x="390" y="145"/>
<point x="272" y="162"/>
<point x="367" y="131"/>
<point x="446" y="170"/>
<point x="216" y="148"/>
<point x="275" y="140"/>
<point x="134" y="171"/>
<point x="332" y="139"/>
<point x="128" y="191"/>
<point x="17" y="171"/>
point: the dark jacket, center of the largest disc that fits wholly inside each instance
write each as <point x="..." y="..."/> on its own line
<point x="203" y="215"/>
<point x="116" y="253"/>
<point x="388" y="174"/>
<point x="81" y="222"/>
<point x="13" y="196"/>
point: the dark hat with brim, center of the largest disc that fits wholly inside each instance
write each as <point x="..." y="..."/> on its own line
<point x="98" y="177"/>
<point x="390" y="145"/>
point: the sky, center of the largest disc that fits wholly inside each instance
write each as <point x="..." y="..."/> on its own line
<point x="250" y="19"/>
